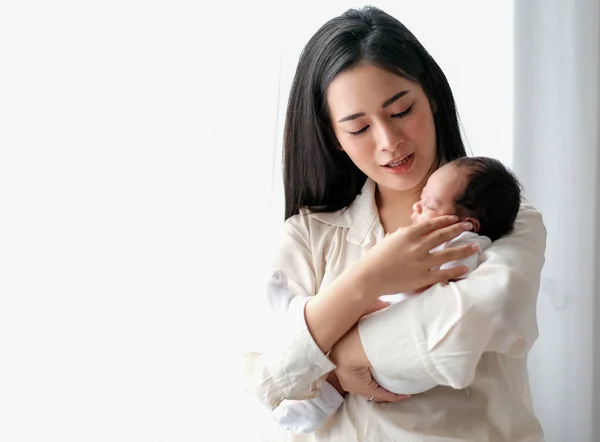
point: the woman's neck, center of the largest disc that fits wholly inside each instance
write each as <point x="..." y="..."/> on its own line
<point x="395" y="207"/>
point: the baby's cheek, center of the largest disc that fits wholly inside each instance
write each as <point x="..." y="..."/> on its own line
<point x="425" y="216"/>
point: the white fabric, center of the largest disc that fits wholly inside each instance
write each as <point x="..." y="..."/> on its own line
<point x="416" y="386"/>
<point x="308" y="415"/>
<point x="300" y="416"/>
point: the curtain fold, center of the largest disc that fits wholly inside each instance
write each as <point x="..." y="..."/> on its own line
<point x="557" y="94"/>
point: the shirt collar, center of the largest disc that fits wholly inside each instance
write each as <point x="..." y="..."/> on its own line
<point x="361" y="218"/>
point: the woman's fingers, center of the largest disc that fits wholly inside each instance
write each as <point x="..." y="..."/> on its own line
<point x="359" y="381"/>
<point x="445" y="234"/>
<point x="382" y="395"/>
<point x="451" y="254"/>
<point x="403" y="262"/>
<point x="426" y="227"/>
<point x="436" y="276"/>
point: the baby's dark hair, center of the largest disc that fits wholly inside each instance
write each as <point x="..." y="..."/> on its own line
<point x="492" y="195"/>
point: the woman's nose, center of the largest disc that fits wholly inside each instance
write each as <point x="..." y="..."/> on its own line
<point x="388" y="137"/>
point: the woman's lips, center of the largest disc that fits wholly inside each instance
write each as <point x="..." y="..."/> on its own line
<point x="399" y="167"/>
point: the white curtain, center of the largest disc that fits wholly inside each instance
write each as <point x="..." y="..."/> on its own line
<point x="557" y="91"/>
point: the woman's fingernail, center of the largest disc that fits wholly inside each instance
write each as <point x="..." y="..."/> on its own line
<point x="475" y="247"/>
<point x="467" y="226"/>
<point x="454" y="218"/>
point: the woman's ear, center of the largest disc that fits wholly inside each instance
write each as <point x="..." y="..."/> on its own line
<point x="475" y="222"/>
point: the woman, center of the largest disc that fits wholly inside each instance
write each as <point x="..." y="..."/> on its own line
<point x="370" y="117"/>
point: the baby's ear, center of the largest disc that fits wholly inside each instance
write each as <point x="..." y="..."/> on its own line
<point x="475" y="222"/>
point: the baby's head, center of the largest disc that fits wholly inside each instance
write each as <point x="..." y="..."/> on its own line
<point x="477" y="189"/>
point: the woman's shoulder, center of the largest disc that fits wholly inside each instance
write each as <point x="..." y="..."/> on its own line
<point x="524" y="248"/>
<point x="527" y="207"/>
<point x="361" y="212"/>
<point x="309" y="220"/>
<point x="529" y="219"/>
<point x="315" y="229"/>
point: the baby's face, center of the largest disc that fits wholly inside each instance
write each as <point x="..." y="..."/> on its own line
<point x="439" y="194"/>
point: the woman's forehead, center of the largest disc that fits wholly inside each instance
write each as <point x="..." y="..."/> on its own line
<point x="365" y="88"/>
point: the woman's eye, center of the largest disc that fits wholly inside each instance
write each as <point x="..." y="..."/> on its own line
<point x="405" y="113"/>
<point x="361" y="131"/>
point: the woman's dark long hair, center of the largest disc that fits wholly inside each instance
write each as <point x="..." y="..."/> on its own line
<point x="316" y="173"/>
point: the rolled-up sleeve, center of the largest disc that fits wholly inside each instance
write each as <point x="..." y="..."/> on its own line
<point x="292" y="363"/>
<point x="443" y="333"/>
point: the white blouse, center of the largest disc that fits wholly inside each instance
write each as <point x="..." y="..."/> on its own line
<point x="473" y="333"/>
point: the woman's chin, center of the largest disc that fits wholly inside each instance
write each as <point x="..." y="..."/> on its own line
<point x="403" y="183"/>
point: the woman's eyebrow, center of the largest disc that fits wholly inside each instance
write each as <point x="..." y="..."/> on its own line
<point x="391" y="100"/>
<point x="352" y="117"/>
<point x="385" y="104"/>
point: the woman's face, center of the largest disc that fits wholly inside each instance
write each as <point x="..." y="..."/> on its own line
<point x="385" y="125"/>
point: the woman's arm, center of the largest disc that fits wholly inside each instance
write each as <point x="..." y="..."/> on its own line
<point x="296" y="359"/>
<point x="402" y="262"/>
<point x="443" y="333"/>
<point x="291" y="363"/>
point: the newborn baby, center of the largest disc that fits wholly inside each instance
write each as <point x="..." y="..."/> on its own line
<point x="480" y="190"/>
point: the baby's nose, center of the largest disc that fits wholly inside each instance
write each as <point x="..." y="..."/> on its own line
<point x="417" y="207"/>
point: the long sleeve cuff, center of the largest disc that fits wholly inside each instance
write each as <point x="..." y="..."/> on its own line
<point x="329" y="399"/>
<point x="294" y="363"/>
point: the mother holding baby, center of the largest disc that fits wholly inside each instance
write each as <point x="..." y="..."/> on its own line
<point x="370" y="118"/>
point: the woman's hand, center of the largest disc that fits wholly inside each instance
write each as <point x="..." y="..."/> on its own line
<point x="360" y="382"/>
<point x="399" y="263"/>
<point x="354" y="370"/>
<point x="402" y="262"/>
